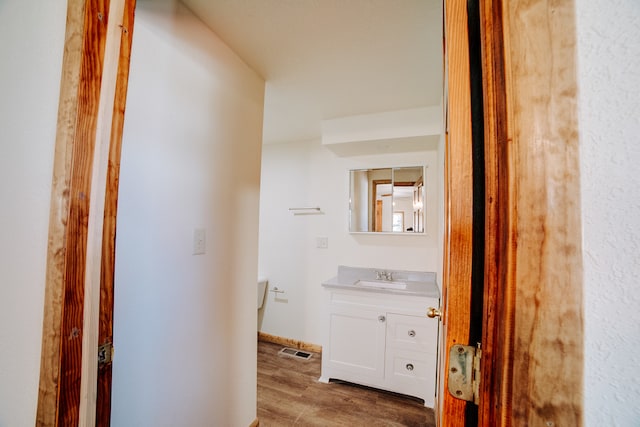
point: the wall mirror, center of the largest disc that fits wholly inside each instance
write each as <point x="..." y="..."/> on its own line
<point x="387" y="200"/>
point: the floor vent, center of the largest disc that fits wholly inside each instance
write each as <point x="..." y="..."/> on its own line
<point x="292" y="352"/>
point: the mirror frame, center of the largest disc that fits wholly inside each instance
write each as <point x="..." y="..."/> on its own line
<point x="418" y="217"/>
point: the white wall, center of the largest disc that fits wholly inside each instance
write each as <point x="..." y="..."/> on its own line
<point x="32" y="35"/>
<point x="307" y="174"/>
<point x="185" y="325"/>
<point x="609" y="83"/>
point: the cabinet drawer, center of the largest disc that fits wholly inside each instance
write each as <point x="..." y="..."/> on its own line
<point x="412" y="373"/>
<point x="412" y="333"/>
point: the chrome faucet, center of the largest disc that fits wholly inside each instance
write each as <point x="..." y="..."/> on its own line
<point x="384" y="275"/>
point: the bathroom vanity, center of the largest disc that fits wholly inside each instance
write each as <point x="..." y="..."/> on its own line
<point x="378" y="334"/>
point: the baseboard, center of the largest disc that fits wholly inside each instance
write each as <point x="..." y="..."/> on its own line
<point x="288" y="342"/>
<point x="255" y="423"/>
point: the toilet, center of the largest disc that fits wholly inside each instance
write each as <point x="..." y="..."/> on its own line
<point x="262" y="290"/>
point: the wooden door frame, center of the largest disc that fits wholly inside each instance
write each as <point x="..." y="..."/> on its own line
<point x="532" y="362"/>
<point x="84" y="191"/>
<point x="532" y="367"/>
<point x="458" y="189"/>
<point x="374" y="204"/>
<point x="107" y="278"/>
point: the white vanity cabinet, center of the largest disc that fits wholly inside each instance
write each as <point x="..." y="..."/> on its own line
<point x="356" y="342"/>
<point x="382" y="340"/>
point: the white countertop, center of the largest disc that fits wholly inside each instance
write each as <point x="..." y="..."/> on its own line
<point x="418" y="283"/>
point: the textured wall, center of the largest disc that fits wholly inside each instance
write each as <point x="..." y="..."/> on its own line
<point x="609" y="79"/>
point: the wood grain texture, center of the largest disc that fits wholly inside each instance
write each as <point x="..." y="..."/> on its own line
<point x="98" y="184"/>
<point x="458" y="203"/>
<point x="547" y="378"/>
<point x="64" y="295"/>
<point x="289" y="393"/>
<point x="105" y="332"/>
<point x="46" y="414"/>
<point x="95" y="27"/>
<point x="497" y="339"/>
<point x="288" y="342"/>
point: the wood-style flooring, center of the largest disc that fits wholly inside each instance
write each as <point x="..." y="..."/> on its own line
<point x="289" y="394"/>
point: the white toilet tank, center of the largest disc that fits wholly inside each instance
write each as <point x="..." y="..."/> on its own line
<point x="262" y="290"/>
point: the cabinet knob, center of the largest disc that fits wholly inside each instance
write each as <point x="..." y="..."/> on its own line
<point x="434" y="312"/>
<point x="381" y="318"/>
<point x="409" y="366"/>
<point x="412" y="333"/>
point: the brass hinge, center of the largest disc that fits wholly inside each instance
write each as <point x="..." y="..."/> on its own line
<point x="464" y="372"/>
<point x="105" y="354"/>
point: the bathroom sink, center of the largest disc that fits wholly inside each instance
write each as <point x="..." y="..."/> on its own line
<point x="383" y="284"/>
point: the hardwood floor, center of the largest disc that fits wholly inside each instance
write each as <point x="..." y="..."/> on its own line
<point x="289" y="394"/>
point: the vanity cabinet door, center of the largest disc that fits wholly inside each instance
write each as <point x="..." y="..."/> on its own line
<point x="356" y="344"/>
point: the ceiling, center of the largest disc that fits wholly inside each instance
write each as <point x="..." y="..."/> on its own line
<point x="324" y="59"/>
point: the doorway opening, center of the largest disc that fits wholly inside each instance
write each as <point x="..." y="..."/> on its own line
<point x="456" y="268"/>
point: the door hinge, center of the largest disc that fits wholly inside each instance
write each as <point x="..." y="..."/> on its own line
<point x="464" y="372"/>
<point x="105" y="354"/>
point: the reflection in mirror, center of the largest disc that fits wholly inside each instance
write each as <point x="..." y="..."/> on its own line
<point x="387" y="200"/>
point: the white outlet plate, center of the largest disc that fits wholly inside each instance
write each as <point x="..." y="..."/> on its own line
<point x="199" y="241"/>
<point x="322" y="242"/>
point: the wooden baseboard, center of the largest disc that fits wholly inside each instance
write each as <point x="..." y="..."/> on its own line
<point x="255" y="423"/>
<point x="288" y="342"/>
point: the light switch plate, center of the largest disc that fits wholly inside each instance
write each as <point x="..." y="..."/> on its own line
<point x="199" y="241"/>
<point x="322" y="242"/>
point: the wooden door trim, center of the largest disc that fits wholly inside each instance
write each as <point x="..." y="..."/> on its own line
<point x="59" y="398"/>
<point x="105" y="332"/>
<point x="375" y="224"/>
<point x="498" y="304"/>
<point x="85" y="128"/>
<point x="456" y="281"/>
<point x="533" y="330"/>
<point x="543" y="277"/>
<point x="48" y="394"/>
<point x="532" y="365"/>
